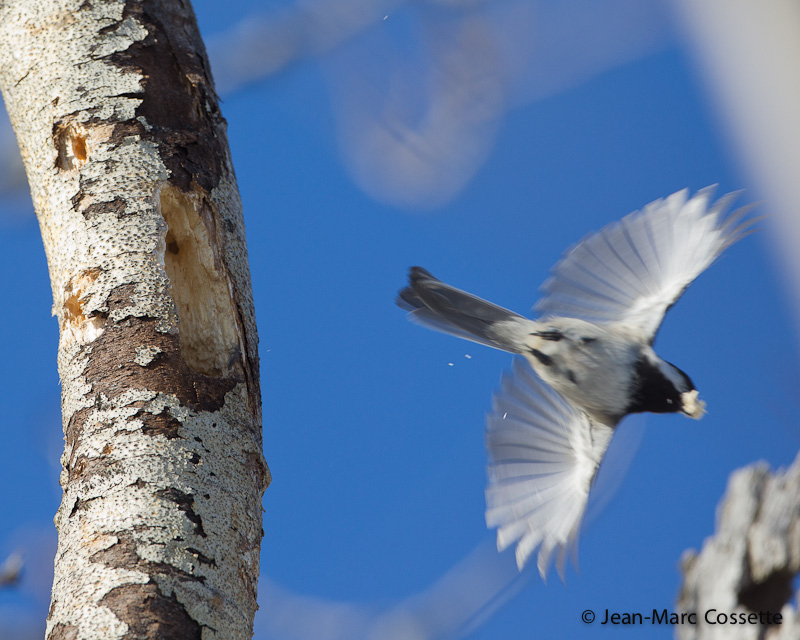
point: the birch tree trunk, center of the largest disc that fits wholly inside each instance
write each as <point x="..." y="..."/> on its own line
<point x="127" y="158"/>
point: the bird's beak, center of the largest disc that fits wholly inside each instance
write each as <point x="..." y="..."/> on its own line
<point x="691" y="404"/>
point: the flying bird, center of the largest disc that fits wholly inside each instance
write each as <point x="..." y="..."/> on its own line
<point x="588" y="360"/>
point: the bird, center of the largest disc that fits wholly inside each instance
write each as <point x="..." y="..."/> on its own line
<point x="587" y="360"/>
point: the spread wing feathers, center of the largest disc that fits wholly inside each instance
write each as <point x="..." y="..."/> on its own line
<point x="543" y="456"/>
<point x="635" y="269"/>
<point x="436" y="305"/>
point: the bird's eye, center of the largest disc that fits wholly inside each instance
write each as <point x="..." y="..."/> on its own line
<point x="587" y="340"/>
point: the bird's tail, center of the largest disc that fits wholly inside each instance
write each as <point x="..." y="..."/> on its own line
<point x="436" y="305"/>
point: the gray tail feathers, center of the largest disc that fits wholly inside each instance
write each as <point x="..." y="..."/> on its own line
<point x="436" y="305"/>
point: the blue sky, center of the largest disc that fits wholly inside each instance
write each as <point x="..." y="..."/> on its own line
<point x="373" y="426"/>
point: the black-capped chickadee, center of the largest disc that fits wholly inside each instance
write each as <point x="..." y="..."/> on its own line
<point x="591" y="351"/>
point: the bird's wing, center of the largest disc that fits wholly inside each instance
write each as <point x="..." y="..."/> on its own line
<point x="543" y="455"/>
<point x="634" y="270"/>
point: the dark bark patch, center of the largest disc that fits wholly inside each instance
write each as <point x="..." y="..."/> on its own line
<point x="150" y="614"/>
<point x="84" y="466"/>
<point x="768" y="595"/>
<point x="178" y="99"/>
<point x="76" y="425"/>
<point x="123" y="555"/>
<point x="112" y="369"/>
<point x="203" y="559"/>
<point x="63" y="632"/>
<point x="78" y="467"/>
<point x="123" y="130"/>
<point x="115" y="206"/>
<point x="95" y="465"/>
<point x="255" y="462"/>
<point x="81" y="505"/>
<point x="185" y="503"/>
<point x="159" y="424"/>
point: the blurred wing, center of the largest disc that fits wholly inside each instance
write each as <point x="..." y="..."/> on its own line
<point x="635" y="269"/>
<point x="543" y="455"/>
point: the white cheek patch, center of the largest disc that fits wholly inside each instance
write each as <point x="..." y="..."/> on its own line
<point x="692" y="406"/>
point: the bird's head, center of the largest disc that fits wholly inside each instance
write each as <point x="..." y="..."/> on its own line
<point x="659" y="386"/>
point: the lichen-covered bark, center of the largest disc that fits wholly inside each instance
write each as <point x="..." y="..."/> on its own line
<point x="749" y="564"/>
<point x="127" y="158"/>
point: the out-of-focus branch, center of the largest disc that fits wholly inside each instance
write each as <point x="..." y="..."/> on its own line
<point x="749" y="563"/>
<point x="417" y="116"/>
<point x="11" y="570"/>
<point x="749" y="51"/>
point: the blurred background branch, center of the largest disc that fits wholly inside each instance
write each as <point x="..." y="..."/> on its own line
<point x="11" y="570"/>
<point x="748" y="53"/>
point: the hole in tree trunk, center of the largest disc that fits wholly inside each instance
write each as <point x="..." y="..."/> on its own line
<point x="209" y="336"/>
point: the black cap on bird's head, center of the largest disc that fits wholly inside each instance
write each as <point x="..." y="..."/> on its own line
<point x="658" y="386"/>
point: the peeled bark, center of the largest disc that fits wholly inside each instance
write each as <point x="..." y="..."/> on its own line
<point x="748" y="565"/>
<point x="127" y="158"/>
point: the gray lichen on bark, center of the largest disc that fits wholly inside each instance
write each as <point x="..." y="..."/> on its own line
<point x="749" y="564"/>
<point x="127" y="158"/>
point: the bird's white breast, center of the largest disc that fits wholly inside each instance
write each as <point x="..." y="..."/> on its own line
<point x="591" y="365"/>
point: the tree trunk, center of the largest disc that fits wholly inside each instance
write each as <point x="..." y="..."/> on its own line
<point x="747" y="567"/>
<point x="127" y="158"/>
